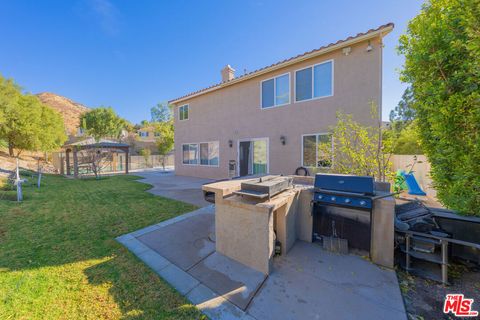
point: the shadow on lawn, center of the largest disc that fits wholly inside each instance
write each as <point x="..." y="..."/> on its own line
<point x="70" y="222"/>
<point x="139" y="293"/>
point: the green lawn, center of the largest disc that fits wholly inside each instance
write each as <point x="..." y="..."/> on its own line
<point x="59" y="258"/>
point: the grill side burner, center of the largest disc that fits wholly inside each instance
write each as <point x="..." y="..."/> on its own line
<point x="362" y="215"/>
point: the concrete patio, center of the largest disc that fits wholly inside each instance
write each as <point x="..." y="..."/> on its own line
<point x="307" y="283"/>
<point x="168" y="185"/>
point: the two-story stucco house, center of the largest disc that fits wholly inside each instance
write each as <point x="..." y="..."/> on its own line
<point x="272" y="120"/>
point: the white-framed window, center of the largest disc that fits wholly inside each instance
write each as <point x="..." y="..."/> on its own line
<point x="275" y="91"/>
<point x="156" y="134"/>
<point x="183" y="112"/>
<point x="203" y="153"/>
<point x="143" y="133"/>
<point x="314" y="82"/>
<point x="313" y="150"/>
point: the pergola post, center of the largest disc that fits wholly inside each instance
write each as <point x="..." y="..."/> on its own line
<point x="67" y="158"/>
<point x="126" y="160"/>
<point x="75" y="162"/>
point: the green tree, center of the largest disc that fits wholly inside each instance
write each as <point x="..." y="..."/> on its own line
<point x="165" y="140"/>
<point x="53" y="130"/>
<point x="9" y="96"/>
<point x="407" y="141"/>
<point x="442" y="64"/>
<point x="404" y="110"/>
<point x="145" y="153"/>
<point x="162" y="112"/>
<point x="102" y="123"/>
<point x="26" y="123"/>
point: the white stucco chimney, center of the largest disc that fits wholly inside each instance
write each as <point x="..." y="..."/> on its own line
<point x="228" y="73"/>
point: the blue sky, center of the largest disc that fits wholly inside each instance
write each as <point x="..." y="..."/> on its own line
<point x="132" y="54"/>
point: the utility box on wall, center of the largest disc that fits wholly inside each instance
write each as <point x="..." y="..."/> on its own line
<point x="232" y="168"/>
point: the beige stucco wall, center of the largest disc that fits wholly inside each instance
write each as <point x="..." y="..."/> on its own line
<point x="245" y="233"/>
<point x="234" y="112"/>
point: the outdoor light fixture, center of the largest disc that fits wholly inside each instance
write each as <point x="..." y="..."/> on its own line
<point x="369" y="47"/>
<point x="346" y="51"/>
<point x="230" y="143"/>
<point x="283" y="140"/>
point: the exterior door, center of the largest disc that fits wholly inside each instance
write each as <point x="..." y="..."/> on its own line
<point x="253" y="157"/>
<point x="244" y="157"/>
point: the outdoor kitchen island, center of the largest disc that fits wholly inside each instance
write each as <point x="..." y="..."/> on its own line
<point x="247" y="227"/>
<point x="249" y="224"/>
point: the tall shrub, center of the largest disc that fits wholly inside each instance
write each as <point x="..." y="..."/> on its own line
<point x="359" y="149"/>
<point x="442" y="64"/>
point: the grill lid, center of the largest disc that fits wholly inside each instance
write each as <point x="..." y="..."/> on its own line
<point x="345" y="183"/>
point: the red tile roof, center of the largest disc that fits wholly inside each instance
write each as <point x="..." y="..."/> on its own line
<point x="388" y="27"/>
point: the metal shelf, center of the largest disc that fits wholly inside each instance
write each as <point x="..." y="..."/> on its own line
<point x="430" y="257"/>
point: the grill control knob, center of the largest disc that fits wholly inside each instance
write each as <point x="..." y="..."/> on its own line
<point x="348" y="200"/>
<point x="333" y="199"/>
<point x="363" y="202"/>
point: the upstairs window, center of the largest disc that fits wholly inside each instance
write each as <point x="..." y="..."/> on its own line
<point x="276" y="91"/>
<point x="183" y="112"/>
<point x="314" y="82"/>
<point x="143" y="134"/>
<point x="313" y="150"/>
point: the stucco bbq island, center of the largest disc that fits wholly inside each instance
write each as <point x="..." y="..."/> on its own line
<point x="274" y="120"/>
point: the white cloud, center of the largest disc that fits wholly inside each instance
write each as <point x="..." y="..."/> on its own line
<point x="107" y="15"/>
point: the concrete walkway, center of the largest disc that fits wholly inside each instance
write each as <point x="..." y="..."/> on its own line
<point x="307" y="283"/>
<point x="168" y="185"/>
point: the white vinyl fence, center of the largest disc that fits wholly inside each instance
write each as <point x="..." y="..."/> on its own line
<point x="153" y="161"/>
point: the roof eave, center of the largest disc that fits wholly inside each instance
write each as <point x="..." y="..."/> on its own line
<point x="381" y="32"/>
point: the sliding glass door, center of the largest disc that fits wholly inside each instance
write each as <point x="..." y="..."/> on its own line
<point x="253" y="156"/>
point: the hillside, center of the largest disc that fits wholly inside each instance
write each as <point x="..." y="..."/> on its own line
<point x="70" y="110"/>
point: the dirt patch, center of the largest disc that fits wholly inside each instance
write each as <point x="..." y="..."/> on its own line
<point x="28" y="160"/>
<point x="424" y="298"/>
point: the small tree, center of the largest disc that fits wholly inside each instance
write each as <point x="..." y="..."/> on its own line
<point x="442" y="64"/>
<point x="145" y="153"/>
<point x="97" y="159"/>
<point x="358" y="149"/>
<point x="102" y="123"/>
<point x="162" y="112"/>
<point x="165" y="140"/>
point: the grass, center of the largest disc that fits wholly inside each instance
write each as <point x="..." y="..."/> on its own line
<point x="59" y="258"/>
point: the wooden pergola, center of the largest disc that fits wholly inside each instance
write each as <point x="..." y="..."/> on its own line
<point x="92" y="144"/>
